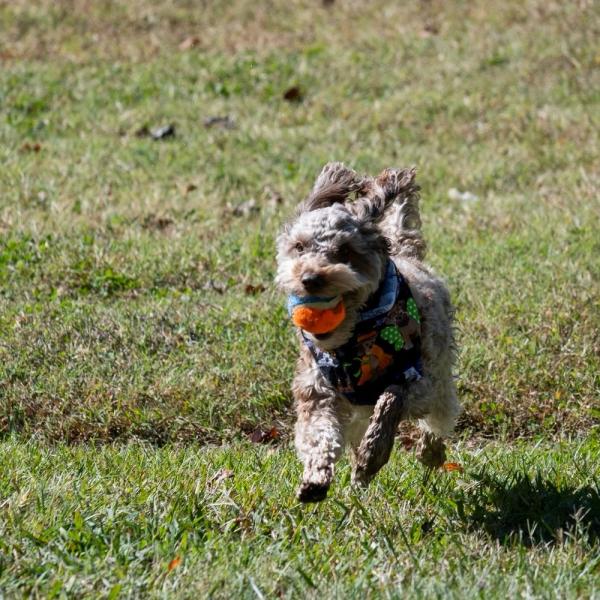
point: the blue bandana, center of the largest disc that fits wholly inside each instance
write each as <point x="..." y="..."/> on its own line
<point x="385" y="347"/>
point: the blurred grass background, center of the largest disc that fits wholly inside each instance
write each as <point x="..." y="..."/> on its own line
<point x="137" y="296"/>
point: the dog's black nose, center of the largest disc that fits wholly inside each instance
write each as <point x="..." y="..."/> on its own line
<point x="312" y="281"/>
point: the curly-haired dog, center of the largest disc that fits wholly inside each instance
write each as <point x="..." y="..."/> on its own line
<point x="374" y="323"/>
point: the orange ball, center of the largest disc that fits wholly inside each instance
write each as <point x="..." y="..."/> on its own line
<point x="319" y="320"/>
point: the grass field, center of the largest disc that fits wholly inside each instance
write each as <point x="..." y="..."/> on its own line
<point x="223" y="522"/>
<point x="142" y="339"/>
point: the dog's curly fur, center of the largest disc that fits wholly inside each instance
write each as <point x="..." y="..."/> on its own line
<point x="344" y="232"/>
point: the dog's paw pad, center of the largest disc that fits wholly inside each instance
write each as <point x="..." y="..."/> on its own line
<point x="312" y="492"/>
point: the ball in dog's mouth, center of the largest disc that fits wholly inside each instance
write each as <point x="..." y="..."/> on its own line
<point x="316" y="314"/>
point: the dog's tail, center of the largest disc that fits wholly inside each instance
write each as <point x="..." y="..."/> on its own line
<point x="401" y="223"/>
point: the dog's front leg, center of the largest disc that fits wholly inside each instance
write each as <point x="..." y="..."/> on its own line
<point x="377" y="443"/>
<point x="319" y="442"/>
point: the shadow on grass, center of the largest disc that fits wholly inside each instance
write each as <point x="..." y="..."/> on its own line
<point x="532" y="510"/>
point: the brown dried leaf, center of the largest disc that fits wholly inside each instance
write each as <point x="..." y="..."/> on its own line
<point x="190" y="42"/>
<point x="257" y="436"/>
<point x="143" y="131"/>
<point x="253" y="290"/>
<point x="452" y="466"/>
<point x="31" y="147"/>
<point x="152" y="221"/>
<point x="430" y="29"/>
<point x="174" y="563"/>
<point x="262" y="436"/>
<point x="225" y="122"/>
<point x="293" y="94"/>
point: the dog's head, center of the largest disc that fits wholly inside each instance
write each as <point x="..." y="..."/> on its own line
<point x="334" y="246"/>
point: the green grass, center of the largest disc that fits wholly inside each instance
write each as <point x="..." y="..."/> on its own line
<point x="124" y="268"/>
<point x="101" y="521"/>
<point x="139" y="324"/>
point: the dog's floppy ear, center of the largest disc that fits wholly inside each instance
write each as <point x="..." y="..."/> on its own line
<point x="333" y="186"/>
<point x="389" y="185"/>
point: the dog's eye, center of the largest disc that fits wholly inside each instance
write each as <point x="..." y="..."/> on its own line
<point x="299" y="247"/>
<point x="342" y="254"/>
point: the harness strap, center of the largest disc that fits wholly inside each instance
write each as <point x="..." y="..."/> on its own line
<point x="385" y="347"/>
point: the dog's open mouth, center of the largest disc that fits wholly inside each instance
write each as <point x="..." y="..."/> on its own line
<point x="321" y="337"/>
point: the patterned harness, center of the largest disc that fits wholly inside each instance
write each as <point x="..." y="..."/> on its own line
<point x="385" y="347"/>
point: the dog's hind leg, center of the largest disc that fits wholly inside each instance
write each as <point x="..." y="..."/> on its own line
<point x="319" y="442"/>
<point x="431" y="450"/>
<point x="437" y="424"/>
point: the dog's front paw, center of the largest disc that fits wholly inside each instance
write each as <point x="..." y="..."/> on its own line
<point x="309" y="491"/>
<point x="361" y="477"/>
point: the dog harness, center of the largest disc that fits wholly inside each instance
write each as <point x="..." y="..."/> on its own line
<point x="385" y="347"/>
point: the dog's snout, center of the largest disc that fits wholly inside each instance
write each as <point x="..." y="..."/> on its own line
<point x="312" y="281"/>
